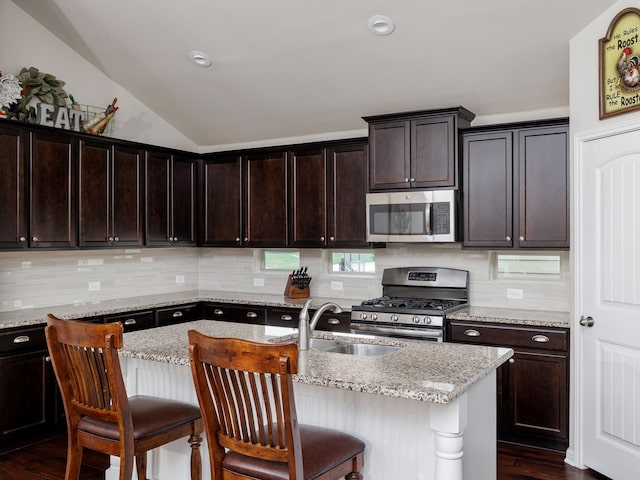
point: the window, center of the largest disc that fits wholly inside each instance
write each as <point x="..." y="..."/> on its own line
<point x="353" y="262"/>
<point x="530" y="266"/>
<point x="281" y="260"/>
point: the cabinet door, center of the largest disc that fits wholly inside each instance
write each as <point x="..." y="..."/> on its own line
<point x="127" y="197"/>
<point x="157" y="207"/>
<point x="433" y="155"/>
<point x="183" y="201"/>
<point x="535" y="399"/>
<point x="544" y="187"/>
<point x="307" y="215"/>
<point x="266" y="200"/>
<point x="347" y="188"/>
<point x="95" y="194"/>
<point x="13" y="188"/>
<point x="390" y="144"/>
<point x="53" y="186"/>
<point x="254" y="314"/>
<point x="221" y="215"/>
<point x="487" y="176"/>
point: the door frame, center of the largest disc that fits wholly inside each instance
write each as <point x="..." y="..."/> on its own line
<point x="575" y="452"/>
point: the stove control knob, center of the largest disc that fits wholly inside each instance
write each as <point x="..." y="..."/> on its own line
<point x="394" y="318"/>
<point x="374" y="316"/>
<point x="427" y="320"/>
<point x="363" y="316"/>
<point x="416" y="319"/>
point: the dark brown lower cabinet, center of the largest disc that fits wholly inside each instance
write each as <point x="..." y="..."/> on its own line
<point x="29" y="401"/>
<point x="232" y="312"/>
<point x="533" y="386"/>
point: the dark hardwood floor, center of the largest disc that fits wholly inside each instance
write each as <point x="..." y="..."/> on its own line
<point x="46" y="461"/>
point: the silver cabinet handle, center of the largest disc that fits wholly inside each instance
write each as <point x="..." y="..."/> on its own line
<point x="331" y="239"/>
<point x="322" y="239"/>
<point x="586" y="321"/>
<point x="252" y="315"/>
<point x="110" y="239"/>
<point x="47" y="358"/>
<point x="217" y="311"/>
<point x="412" y="179"/>
<point x="35" y="239"/>
<point x="246" y="239"/>
<point x="23" y="239"/>
<point x="406" y="179"/>
<point x="237" y="239"/>
<point x="521" y="238"/>
<point x="22" y="339"/>
<point x="286" y="317"/>
<point x="130" y="321"/>
<point x="540" y="338"/>
<point x="177" y="314"/>
<point x="511" y="360"/>
<point x="333" y="321"/>
<point x="116" y="239"/>
<point x="508" y="238"/>
<point x="472" y="333"/>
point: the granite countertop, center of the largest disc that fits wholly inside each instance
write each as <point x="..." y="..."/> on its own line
<point x="512" y="316"/>
<point x="424" y="371"/>
<point x="35" y="316"/>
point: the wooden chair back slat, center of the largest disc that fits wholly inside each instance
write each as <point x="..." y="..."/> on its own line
<point x="246" y="397"/>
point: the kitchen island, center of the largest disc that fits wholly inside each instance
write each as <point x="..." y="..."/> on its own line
<point x="425" y="411"/>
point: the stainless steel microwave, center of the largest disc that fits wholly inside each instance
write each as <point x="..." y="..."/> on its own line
<point x="411" y="216"/>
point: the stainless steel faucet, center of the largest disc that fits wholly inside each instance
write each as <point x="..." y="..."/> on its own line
<point x="306" y="326"/>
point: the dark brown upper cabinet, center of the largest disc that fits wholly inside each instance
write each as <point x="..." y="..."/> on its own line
<point x="308" y="212"/>
<point x="265" y="199"/>
<point x="170" y="200"/>
<point x="13" y="187"/>
<point x="220" y="202"/>
<point x="111" y="195"/>
<point x="516" y="185"/>
<point x="415" y="149"/>
<point x="346" y="191"/>
<point x="53" y="167"/>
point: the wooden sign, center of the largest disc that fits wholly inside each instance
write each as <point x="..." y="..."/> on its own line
<point x="619" y="57"/>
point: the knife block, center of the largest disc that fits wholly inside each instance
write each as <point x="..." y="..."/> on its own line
<point x="291" y="291"/>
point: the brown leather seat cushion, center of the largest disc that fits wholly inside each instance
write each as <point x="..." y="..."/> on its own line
<point x="151" y="415"/>
<point x="322" y="449"/>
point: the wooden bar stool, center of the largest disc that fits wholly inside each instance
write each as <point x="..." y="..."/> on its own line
<point x="246" y="397"/>
<point x="100" y="416"/>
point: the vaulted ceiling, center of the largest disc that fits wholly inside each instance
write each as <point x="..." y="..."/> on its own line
<point x="286" y="68"/>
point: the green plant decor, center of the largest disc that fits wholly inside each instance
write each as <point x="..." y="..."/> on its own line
<point x="46" y="87"/>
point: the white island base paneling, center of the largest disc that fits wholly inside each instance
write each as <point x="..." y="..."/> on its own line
<point x="404" y="438"/>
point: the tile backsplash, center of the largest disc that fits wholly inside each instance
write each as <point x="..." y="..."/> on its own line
<point x="49" y="278"/>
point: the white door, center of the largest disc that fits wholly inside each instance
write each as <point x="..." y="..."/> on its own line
<point x="607" y="249"/>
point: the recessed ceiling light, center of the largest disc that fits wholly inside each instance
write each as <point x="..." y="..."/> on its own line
<point x="200" y="59"/>
<point x="381" y="25"/>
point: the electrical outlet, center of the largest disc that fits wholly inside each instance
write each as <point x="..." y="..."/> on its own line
<point x="258" y="282"/>
<point x="179" y="278"/>
<point x="94" y="286"/>
<point x="335" y="285"/>
<point x="515" y="293"/>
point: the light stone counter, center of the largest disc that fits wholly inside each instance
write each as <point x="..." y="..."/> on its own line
<point x="35" y="316"/>
<point x="426" y="411"/>
<point x="513" y="316"/>
<point x="419" y="370"/>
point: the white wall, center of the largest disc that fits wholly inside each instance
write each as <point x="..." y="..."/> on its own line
<point x="26" y="43"/>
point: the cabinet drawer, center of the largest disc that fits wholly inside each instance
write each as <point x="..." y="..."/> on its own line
<point x="283" y="317"/>
<point x="335" y="322"/>
<point x="16" y="340"/>
<point x="509" y="336"/>
<point x="180" y="314"/>
<point x="134" y="320"/>
<point x="236" y="313"/>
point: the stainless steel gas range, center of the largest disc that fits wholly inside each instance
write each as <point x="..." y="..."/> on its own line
<point x="414" y="303"/>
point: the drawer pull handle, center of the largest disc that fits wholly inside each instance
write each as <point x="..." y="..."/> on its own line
<point x="540" y="338"/>
<point x="217" y="311"/>
<point x="333" y="321"/>
<point x="47" y="358"/>
<point x="472" y="333"/>
<point x="21" y="339"/>
<point x="130" y="321"/>
<point x="286" y="317"/>
<point x="252" y="315"/>
<point x="177" y="314"/>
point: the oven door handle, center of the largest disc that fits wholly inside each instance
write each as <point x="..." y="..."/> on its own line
<point x="433" y="334"/>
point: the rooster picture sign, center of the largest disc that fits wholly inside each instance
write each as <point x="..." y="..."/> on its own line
<point x="620" y="65"/>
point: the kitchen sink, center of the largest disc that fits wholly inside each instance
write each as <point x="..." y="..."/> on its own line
<point x="323" y="344"/>
<point x="362" y="349"/>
